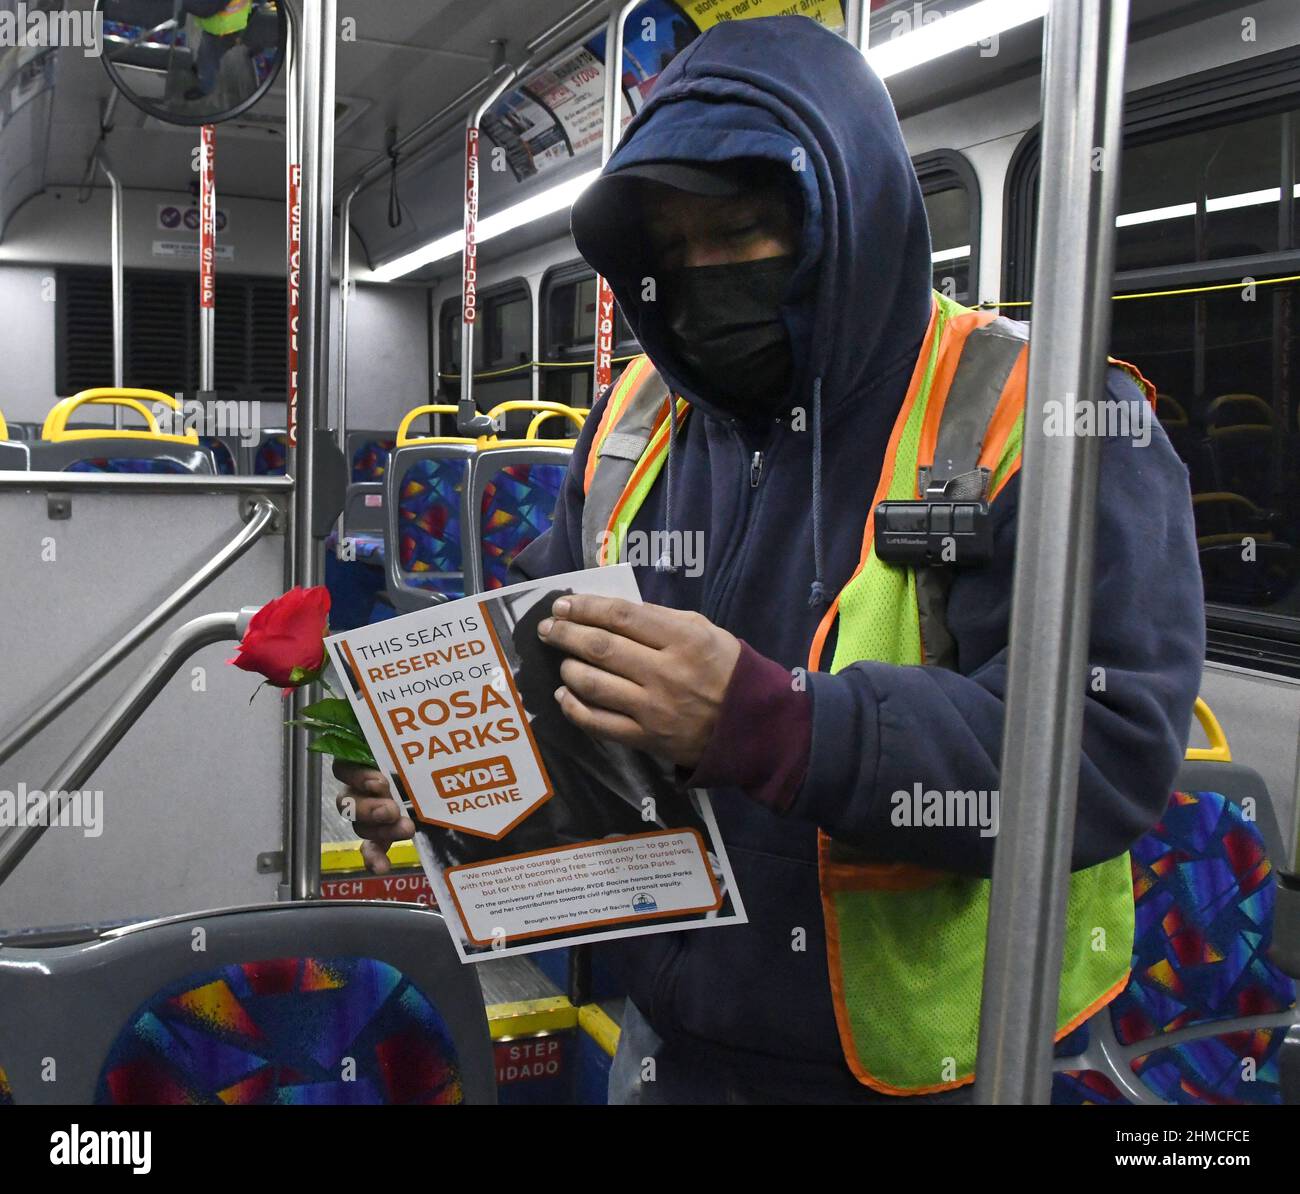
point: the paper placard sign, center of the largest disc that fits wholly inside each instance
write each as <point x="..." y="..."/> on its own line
<point x="532" y="833"/>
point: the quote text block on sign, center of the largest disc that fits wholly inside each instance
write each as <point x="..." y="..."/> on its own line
<point x="619" y="881"/>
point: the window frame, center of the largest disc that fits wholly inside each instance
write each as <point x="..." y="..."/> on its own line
<point x="578" y="356"/>
<point x="1266" y="85"/>
<point x="938" y="170"/>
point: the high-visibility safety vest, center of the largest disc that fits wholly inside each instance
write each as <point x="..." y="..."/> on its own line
<point x="231" y="19"/>
<point x="905" y="944"/>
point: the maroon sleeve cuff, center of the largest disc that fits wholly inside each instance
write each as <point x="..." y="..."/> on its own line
<point x="763" y="737"/>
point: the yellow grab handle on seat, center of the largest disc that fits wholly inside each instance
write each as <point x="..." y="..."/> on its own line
<point x="440" y="409"/>
<point x="568" y="412"/>
<point x="4" y="427"/>
<point x="555" y="408"/>
<point x="1218" y="751"/>
<point x="56" y="430"/>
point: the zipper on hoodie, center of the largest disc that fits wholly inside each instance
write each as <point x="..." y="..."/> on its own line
<point x="748" y="499"/>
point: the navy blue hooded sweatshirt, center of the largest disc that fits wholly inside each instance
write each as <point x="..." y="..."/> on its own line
<point x="786" y="89"/>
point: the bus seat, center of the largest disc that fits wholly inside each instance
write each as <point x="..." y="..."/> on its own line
<point x="426" y="498"/>
<point x="270" y="457"/>
<point x="101" y="449"/>
<point x="1237" y="451"/>
<point x="307" y="1003"/>
<point x="1232" y="410"/>
<point x="122" y="456"/>
<point x="1207" y="1007"/>
<point x="224" y="455"/>
<point x="514" y="496"/>
<point x="369" y="453"/>
<point x="1262" y="577"/>
<point x="15" y="457"/>
<point x="515" y="487"/>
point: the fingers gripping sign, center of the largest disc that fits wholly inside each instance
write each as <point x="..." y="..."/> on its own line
<point x="368" y="803"/>
<point x="645" y="676"/>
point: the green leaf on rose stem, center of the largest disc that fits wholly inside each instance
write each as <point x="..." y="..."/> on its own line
<point x="342" y="747"/>
<point x="334" y="711"/>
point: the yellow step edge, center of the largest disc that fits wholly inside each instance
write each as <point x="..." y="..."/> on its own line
<point x="528" y="1017"/>
<point x="598" y="1025"/>
<point x="346" y="856"/>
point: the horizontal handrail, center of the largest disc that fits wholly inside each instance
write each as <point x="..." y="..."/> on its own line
<point x="17" y="841"/>
<point x="261" y="517"/>
<point x="156" y="483"/>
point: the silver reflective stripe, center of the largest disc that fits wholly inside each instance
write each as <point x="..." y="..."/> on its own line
<point x="617" y="459"/>
<point x="989" y="356"/>
<point x="625" y="446"/>
<point x="985" y="367"/>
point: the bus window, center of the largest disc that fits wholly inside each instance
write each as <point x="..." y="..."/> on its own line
<point x="569" y="335"/>
<point x="449" y="327"/>
<point x="507" y="330"/>
<point x="951" y="196"/>
<point x="1207" y="230"/>
<point x="1204" y="195"/>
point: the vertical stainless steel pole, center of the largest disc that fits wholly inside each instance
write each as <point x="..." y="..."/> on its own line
<point x="117" y="249"/>
<point x="1083" y="92"/>
<point x="468" y="420"/>
<point x="316" y="40"/>
<point x="293" y="275"/>
<point x="345" y="301"/>
<point x="602" y="372"/>
<point x="854" y="24"/>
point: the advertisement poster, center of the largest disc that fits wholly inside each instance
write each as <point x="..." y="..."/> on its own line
<point x="707" y="13"/>
<point x="559" y="112"/>
<point x="654" y="34"/>
<point x="532" y="833"/>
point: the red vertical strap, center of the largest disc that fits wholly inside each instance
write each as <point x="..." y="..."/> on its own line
<point x="604" y="340"/>
<point x="295" y="298"/>
<point x="469" y="283"/>
<point x="207" y="218"/>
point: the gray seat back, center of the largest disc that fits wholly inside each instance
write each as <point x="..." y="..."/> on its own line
<point x="427" y="514"/>
<point x="83" y="1021"/>
<point x="512" y="502"/>
<point x="123" y="455"/>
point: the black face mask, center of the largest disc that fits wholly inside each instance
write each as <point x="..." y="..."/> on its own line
<point x="726" y="328"/>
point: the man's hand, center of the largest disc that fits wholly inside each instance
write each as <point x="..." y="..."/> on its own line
<point x="646" y="676"/>
<point x="368" y="803"/>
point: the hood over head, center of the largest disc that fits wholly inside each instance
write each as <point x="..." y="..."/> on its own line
<point x="788" y="90"/>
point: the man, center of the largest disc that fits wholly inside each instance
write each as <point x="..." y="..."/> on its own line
<point x="764" y="233"/>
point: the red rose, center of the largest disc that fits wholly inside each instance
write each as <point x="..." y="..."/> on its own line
<point x="285" y="639"/>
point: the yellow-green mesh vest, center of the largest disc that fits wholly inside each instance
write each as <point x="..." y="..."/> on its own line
<point x="231" y="19"/>
<point x="905" y="946"/>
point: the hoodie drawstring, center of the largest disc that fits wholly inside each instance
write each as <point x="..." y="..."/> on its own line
<point x="666" y="563"/>
<point x="817" y="593"/>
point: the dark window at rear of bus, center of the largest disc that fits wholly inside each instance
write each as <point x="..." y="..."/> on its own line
<point x="951" y="194"/>
<point x="569" y="335"/>
<point x="162" y="333"/>
<point x="1207" y="230"/>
